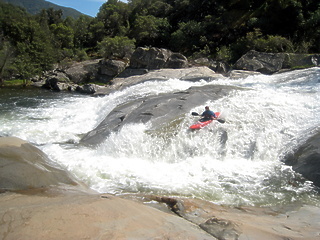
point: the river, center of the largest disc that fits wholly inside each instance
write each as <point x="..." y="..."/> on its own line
<point x="270" y="119"/>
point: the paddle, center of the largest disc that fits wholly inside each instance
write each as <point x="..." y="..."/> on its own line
<point x="219" y="120"/>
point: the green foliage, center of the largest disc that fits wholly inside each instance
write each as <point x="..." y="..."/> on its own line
<point x="7" y="52"/>
<point x="15" y="83"/>
<point x="193" y="32"/>
<point x="223" y="53"/>
<point x="80" y="55"/>
<point x="83" y="36"/>
<point x="63" y="34"/>
<point x="32" y="47"/>
<point x="117" y="47"/>
<point x="150" y="30"/>
<point x="223" y="29"/>
<point x="257" y="41"/>
<point x="114" y="15"/>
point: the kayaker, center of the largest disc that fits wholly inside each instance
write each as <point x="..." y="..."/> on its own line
<point x="208" y="114"/>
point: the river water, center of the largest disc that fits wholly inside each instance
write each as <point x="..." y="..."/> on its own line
<point x="237" y="163"/>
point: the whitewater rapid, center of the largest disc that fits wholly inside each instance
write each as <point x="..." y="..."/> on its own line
<point x="238" y="162"/>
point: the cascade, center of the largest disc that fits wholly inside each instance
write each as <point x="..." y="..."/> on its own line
<point x="238" y="162"/>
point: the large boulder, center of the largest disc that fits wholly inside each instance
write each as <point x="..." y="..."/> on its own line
<point x="23" y="166"/>
<point x="56" y="81"/>
<point x="306" y="159"/>
<point x="266" y="63"/>
<point x="177" y="60"/>
<point x="217" y="66"/>
<point x="83" y="71"/>
<point x="130" y="77"/>
<point x="293" y="60"/>
<point x="87" y="88"/>
<point x="156" y="58"/>
<point x="67" y="79"/>
<point x="160" y="111"/>
<point x="111" y="68"/>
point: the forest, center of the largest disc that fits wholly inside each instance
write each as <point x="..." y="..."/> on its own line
<point x="218" y="29"/>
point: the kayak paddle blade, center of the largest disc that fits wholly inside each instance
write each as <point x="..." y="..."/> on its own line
<point x="221" y="120"/>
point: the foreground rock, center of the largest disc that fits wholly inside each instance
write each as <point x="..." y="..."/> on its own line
<point x="243" y="223"/>
<point x="306" y="159"/>
<point x="56" y="208"/>
<point x="51" y="214"/>
<point x="49" y="204"/>
<point x="23" y="166"/>
<point x="81" y="216"/>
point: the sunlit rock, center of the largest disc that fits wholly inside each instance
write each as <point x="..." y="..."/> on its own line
<point x="23" y="166"/>
<point x="156" y="58"/>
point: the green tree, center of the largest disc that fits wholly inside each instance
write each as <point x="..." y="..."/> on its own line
<point x="96" y="32"/>
<point x="257" y="41"/>
<point x="82" y="35"/>
<point x="309" y="31"/>
<point x="157" y="8"/>
<point x="150" y="30"/>
<point x="64" y="35"/>
<point x="7" y="54"/>
<point x="117" y="47"/>
<point x="114" y="14"/>
<point x="51" y="16"/>
<point x="188" y="38"/>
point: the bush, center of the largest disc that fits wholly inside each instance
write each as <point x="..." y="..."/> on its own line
<point x="223" y="54"/>
<point x="256" y="41"/>
<point x="81" y="55"/>
<point x="273" y="44"/>
<point x="117" y="47"/>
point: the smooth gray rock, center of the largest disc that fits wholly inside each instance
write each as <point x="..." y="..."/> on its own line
<point x="23" y="166"/>
<point x="306" y="159"/>
<point x="156" y="58"/>
<point x="266" y="63"/>
<point x="159" y="110"/>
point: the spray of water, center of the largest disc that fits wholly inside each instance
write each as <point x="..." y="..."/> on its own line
<point x="237" y="162"/>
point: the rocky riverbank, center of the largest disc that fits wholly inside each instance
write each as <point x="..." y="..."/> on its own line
<point x="39" y="200"/>
<point x="145" y="61"/>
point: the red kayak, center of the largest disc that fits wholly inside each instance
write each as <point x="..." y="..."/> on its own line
<point x="201" y="124"/>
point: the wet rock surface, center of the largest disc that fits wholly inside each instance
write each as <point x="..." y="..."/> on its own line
<point x="306" y="159"/>
<point x="159" y="110"/>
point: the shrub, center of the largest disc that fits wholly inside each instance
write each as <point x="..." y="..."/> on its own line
<point x="117" y="47"/>
<point x="256" y="41"/>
